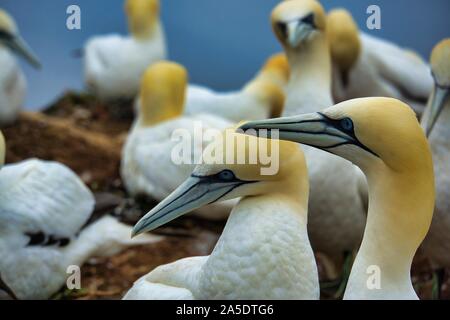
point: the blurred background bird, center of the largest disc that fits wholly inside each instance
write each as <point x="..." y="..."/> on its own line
<point x="12" y="80"/>
<point x="47" y="223"/>
<point x="148" y="167"/>
<point x="436" y="122"/>
<point x="261" y="98"/>
<point x="368" y="66"/>
<point x="334" y="205"/>
<point x="114" y="64"/>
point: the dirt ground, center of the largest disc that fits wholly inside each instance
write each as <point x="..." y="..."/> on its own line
<point x="87" y="136"/>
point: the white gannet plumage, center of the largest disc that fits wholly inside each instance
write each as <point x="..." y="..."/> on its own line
<point x="44" y="210"/>
<point x="263" y="252"/>
<point x="383" y="137"/>
<point x="334" y="203"/>
<point x="367" y="66"/>
<point x="436" y="122"/>
<point x="147" y="166"/>
<point x="114" y="64"/>
<point x="261" y="98"/>
<point x="12" y="79"/>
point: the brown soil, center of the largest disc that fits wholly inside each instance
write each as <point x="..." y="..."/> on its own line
<point x="87" y="136"/>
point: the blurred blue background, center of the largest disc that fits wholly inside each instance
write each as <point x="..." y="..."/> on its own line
<point x="222" y="42"/>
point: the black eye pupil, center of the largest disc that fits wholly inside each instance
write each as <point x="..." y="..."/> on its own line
<point x="347" y="124"/>
<point x="226" y="175"/>
<point x="309" y="19"/>
<point x="283" y="29"/>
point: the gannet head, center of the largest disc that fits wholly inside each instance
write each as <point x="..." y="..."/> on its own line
<point x="440" y="66"/>
<point x="211" y="183"/>
<point x="2" y="150"/>
<point x="142" y="16"/>
<point x="162" y="94"/>
<point x="268" y="85"/>
<point x="343" y="37"/>
<point x="10" y="37"/>
<point x="366" y="131"/>
<point x="277" y="69"/>
<point x="296" y="22"/>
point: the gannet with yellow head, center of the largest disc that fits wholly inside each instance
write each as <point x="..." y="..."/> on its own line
<point x="263" y="252"/>
<point x="114" y="64"/>
<point x="12" y="80"/>
<point x="367" y="66"/>
<point x="261" y="98"/>
<point x="436" y="122"/>
<point x="334" y="204"/>
<point x="383" y="137"/>
<point x="147" y="166"/>
<point x="46" y="225"/>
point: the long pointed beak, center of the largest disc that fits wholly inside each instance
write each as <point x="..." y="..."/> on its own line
<point x="313" y="129"/>
<point x="194" y="193"/>
<point x="20" y="47"/>
<point x="438" y="100"/>
<point x="297" y="32"/>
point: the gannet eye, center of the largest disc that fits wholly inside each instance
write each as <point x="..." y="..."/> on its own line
<point x="282" y="28"/>
<point x="347" y="124"/>
<point x="226" y="175"/>
<point x="309" y="19"/>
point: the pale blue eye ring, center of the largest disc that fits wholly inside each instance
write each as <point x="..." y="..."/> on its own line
<point x="226" y="175"/>
<point x="347" y="124"/>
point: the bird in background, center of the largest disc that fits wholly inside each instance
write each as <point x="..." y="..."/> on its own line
<point x="261" y="98"/>
<point x="383" y="137"/>
<point x="12" y="80"/>
<point x="47" y="224"/>
<point x="334" y="204"/>
<point x="263" y="252"/>
<point x="436" y="123"/>
<point x="368" y="66"/>
<point x="114" y="64"/>
<point x="148" y="167"/>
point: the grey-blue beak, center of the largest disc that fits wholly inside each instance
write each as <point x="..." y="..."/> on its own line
<point x="20" y="47"/>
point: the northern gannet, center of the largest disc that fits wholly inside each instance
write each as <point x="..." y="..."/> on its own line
<point x="334" y="204"/>
<point x="263" y="252"/>
<point x="436" y="122"/>
<point x="147" y="166"/>
<point x="45" y="226"/>
<point x="383" y="137"/>
<point x="114" y="64"/>
<point x="12" y="80"/>
<point x="367" y="66"/>
<point x="261" y="98"/>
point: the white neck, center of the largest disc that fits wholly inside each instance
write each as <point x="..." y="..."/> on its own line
<point x="264" y="252"/>
<point x="396" y="225"/>
<point x="309" y="88"/>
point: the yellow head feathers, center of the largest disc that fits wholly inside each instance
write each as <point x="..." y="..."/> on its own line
<point x="440" y="63"/>
<point x="389" y="128"/>
<point x="241" y="154"/>
<point x="7" y="23"/>
<point x="343" y="36"/>
<point x="163" y="90"/>
<point x="277" y="66"/>
<point x="142" y="16"/>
